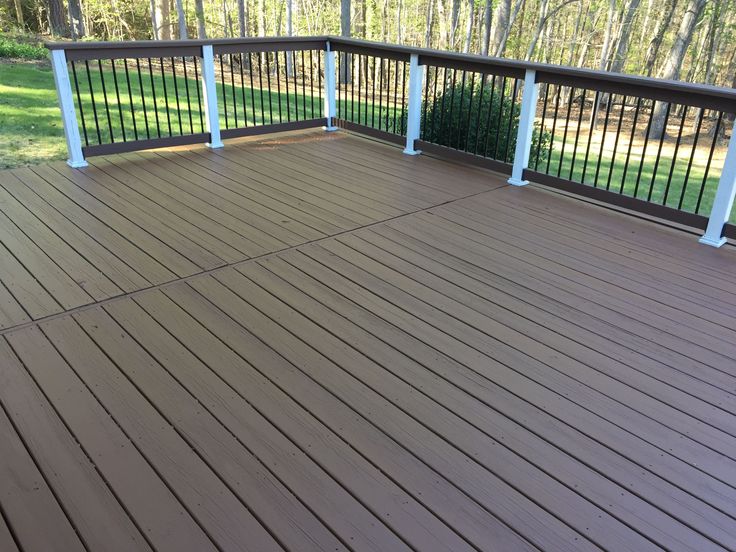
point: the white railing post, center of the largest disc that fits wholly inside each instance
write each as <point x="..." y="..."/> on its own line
<point x="414" y="117"/>
<point x="723" y="202"/>
<point x="330" y="108"/>
<point x="525" y="132"/>
<point x="210" y="96"/>
<point x="68" y="113"/>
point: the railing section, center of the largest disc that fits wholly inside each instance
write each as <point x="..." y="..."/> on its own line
<point x="658" y="147"/>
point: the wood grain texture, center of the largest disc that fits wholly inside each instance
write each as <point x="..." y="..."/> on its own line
<point x="313" y="342"/>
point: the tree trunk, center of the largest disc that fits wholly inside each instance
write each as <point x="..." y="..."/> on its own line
<point x="345" y="59"/>
<point x="399" y="25"/>
<point x="76" y="22"/>
<point x="501" y="46"/>
<point x="242" y="25"/>
<point x="487" y="20"/>
<point x="608" y="35"/>
<point x="57" y="20"/>
<point x="163" y="17"/>
<point x="154" y="20"/>
<point x="469" y="26"/>
<point x="673" y="63"/>
<point x="662" y="25"/>
<point x="19" y="14"/>
<point x="501" y="23"/>
<point x="429" y="22"/>
<point x="289" y="32"/>
<point x="454" y="20"/>
<point x="199" y="10"/>
<point x="443" y="42"/>
<point x="181" y="18"/>
<point x="622" y="49"/>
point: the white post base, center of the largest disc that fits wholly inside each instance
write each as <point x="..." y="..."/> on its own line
<point x="330" y="128"/>
<point x="516" y="182"/>
<point x="414" y="105"/>
<point x="215" y="145"/>
<point x="717" y="243"/>
<point x="77" y="164"/>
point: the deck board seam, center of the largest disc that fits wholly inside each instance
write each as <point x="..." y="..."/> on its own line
<point x="220" y="268"/>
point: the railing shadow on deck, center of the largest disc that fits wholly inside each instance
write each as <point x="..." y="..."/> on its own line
<point x="648" y="145"/>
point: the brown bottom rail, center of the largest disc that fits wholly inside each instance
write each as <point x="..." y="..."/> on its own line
<point x="370" y="131"/>
<point x="137" y="145"/>
<point x="268" y="129"/>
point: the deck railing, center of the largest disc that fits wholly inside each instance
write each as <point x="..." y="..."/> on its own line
<point x="649" y="145"/>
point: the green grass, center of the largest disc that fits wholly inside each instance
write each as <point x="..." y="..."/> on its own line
<point x="31" y="132"/>
<point x="30" y="125"/>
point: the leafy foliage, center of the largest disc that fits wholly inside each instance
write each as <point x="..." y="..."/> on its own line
<point x="17" y="49"/>
<point x="480" y="117"/>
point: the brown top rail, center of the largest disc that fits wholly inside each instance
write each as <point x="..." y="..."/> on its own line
<point x="700" y="95"/>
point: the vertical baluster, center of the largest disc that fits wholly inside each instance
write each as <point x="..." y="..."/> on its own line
<point x="189" y="99"/>
<point x="176" y="95"/>
<point x="659" y="151"/>
<point x="117" y="96"/>
<point x="130" y="97"/>
<point x="143" y="97"/>
<point x="153" y="94"/>
<point x="107" y="104"/>
<point x="631" y="142"/>
<point x="577" y="132"/>
<point x="674" y="155"/>
<point x="615" y="143"/>
<point x="61" y="86"/>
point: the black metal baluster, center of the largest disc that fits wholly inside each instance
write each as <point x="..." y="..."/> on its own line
<point x="94" y="103"/>
<point x="659" y="151"/>
<point x="304" y="88"/>
<point x="143" y="97"/>
<point x="319" y="84"/>
<point x="577" y="132"/>
<point x="483" y="77"/>
<point x="514" y="92"/>
<point x="117" y="96"/>
<point x="130" y="98"/>
<point x="176" y="94"/>
<point x="460" y="109"/>
<point x="692" y="157"/>
<point x="189" y="99"/>
<point x="242" y="89"/>
<point x="166" y="95"/>
<point x="365" y="74"/>
<point x="500" y="117"/>
<point x="232" y="90"/>
<point x="567" y="127"/>
<point x="554" y="127"/>
<point x="717" y="130"/>
<point x="591" y="128"/>
<point x="631" y="142"/>
<point x="609" y="102"/>
<point x="104" y="97"/>
<point x="489" y="118"/>
<point x="470" y="110"/>
<point x="286" y="81"/>
<point x="224" y="92"/>
<point x="79" y="103"/>
<point x="296" y="88"/>
<point x="199" y="94"/>
<point x="404" y="121"/>
<point x="155" y="101"/>
<point x="449" y="113"/>
<point x="260" y="88"/>
<point x="434" y="101"/>
<point x="352" y="88"/>
<point x="311" y="85"/>
<point x="268" y="83"/>
<point x="644" y="149"/>
<point x="252" y="88"/>
<point x="674" y="156"/>
<point x="615" y="142"/>
<point x="373" y="99"/>
<point x="541" y="128"/>
<point x="423" y="128"/>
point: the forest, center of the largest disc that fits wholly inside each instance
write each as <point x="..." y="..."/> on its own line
<point x="690" y="40"/>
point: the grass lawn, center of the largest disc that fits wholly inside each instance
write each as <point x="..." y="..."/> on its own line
<point x="30" y="125"/>
<point x="31" y="131"/>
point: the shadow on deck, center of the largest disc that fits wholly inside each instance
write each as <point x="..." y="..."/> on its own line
<point x="313" y="342"/>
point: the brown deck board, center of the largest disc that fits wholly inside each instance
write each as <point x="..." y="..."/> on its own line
<point x="311" y="341"/>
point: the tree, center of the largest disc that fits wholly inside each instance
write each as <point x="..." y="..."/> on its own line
<point x="469" y="26"/>
<point x="199" y="10"/>
<point x="673" y="61"/>
<point x="57" y="20"/>
<point x="163" y="17"/>
<point x="624" y="37"/>
<point x="76" y="23"/>
<point x="345" y="58"/>
<point x="487" y="20"/>
<point x="19" y="13"/>
<point x="181" y="18"/>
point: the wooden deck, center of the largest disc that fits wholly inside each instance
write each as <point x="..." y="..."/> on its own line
<point x="313" y="342"/>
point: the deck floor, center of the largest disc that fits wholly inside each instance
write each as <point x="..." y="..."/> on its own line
<point x="316" y="343"/>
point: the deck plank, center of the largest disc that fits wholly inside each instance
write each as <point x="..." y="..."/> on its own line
<point x="310" y="341"/>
